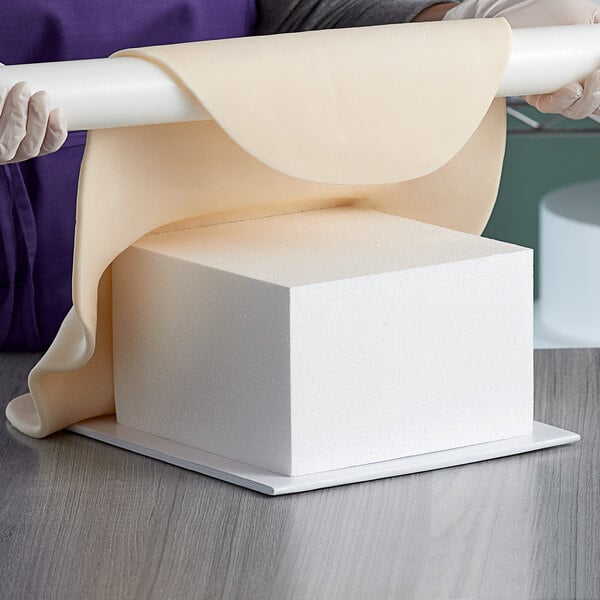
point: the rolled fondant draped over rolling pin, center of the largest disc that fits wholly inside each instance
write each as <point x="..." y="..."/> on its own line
<point x="399" y="118"/>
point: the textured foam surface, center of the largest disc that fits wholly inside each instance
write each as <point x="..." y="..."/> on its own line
<point x="324" y="339"/>
<point x="321" y="245"/>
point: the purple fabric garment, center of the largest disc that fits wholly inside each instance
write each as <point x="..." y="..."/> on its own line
<point x="37" y="197"/>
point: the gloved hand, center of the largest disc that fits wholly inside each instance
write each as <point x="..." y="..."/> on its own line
<point x="28" y="127"/>
<point x="576" y="100"/>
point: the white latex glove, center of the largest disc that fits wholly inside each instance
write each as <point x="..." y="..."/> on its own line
<point x="28" y="127"/>
<point x="576" y="100"/>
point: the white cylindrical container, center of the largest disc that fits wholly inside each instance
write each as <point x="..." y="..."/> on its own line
<point x="569" y="305"/>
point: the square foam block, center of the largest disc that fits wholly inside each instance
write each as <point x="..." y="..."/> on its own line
<point x="325" y="339"/>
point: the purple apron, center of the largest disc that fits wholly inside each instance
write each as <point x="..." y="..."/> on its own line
<point x="37" y="197"/>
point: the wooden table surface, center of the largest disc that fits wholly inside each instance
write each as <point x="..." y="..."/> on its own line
<point x="80" y="519"/>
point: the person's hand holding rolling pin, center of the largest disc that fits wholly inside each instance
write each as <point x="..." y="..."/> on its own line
<point x="576" y="100"/>
<point x="28" y="126"/>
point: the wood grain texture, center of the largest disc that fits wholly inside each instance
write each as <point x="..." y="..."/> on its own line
<point x="79" y="519"/>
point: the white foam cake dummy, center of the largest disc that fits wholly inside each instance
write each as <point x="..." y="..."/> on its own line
<point x="397" y="118"/>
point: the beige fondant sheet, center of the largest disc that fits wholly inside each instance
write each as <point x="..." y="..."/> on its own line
<point x="399" y="118"/>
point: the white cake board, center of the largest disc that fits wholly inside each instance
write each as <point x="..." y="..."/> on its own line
<point x="106" y="429"/>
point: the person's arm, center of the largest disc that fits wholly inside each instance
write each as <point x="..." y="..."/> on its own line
<point x="437" y="12"/>
<point x="284" y="16"/>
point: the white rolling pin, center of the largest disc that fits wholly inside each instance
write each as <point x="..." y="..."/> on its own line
<point x="118" y="92"/>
